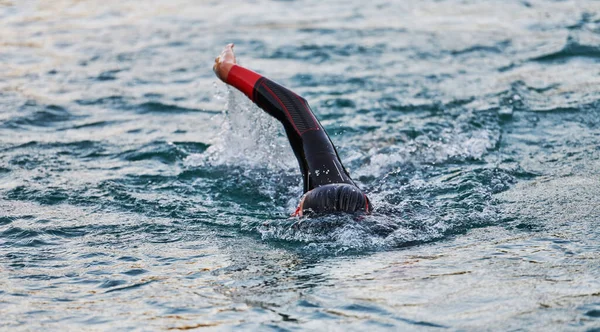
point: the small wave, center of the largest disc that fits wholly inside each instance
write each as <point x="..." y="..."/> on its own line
<point x="67" y="232"/>
<point x="95" y="124"/>
<point x="148" y="107"/>
<point x="108" y="75"/>
<point x="496" y="48"/>
<point x="576" y="46"/>
<point x="48" y="196"/>
<point x="17" y="233"/>
<point x="106" y="101"/>
<point x="313" y="53"/>
<point x="39" y="116"/>
<point x="5" y="220"/>
<point x="28" y="155"/>
<point x="547" y="99"/>
<point x="129" y="287"/>
<point x="192" y="147"/>
<point x="157" y="107"/>
<point x="167" y="153"/>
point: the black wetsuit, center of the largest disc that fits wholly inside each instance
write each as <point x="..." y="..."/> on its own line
<point x="319" y="161"/>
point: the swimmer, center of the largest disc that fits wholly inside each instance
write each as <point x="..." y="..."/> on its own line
<point x="327" y="185"/>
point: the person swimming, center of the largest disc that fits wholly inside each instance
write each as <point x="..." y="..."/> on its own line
<point x="328" y="187"/>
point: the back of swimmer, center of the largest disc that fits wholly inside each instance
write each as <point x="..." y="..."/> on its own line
<point x="328" y="187"/>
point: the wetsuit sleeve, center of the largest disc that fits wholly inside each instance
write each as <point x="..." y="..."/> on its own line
<point x="318" y="159"/>
<point x="278" y="101"/>
<point x="243" y="79"/>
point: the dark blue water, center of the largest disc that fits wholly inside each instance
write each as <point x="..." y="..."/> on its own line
<point x="136" y="192"/>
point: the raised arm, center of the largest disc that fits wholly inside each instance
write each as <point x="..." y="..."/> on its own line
<point x="317" y="157"/>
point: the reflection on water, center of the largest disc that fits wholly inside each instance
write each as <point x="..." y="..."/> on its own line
<point x="137" y="192"/>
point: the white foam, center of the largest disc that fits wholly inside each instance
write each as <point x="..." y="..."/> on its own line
<point x="248" y="137"/>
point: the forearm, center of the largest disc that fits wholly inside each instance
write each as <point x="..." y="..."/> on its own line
<point x="278" y="101"/>
<point x="244" y="80"/>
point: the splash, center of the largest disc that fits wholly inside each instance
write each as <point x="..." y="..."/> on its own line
<point x="248" y="137"/>
<point x="254" y="159"/>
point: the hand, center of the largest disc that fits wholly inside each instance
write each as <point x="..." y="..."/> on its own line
<point x="224" y="62"/>
<point x="299" y="210"/>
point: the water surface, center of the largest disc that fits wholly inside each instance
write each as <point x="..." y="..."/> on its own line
<point x="136" y="192"/>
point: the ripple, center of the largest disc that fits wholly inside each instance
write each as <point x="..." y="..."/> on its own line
<point x="5" y="220"/>
<point x="108" y="75"/>
<point x="39" y="116"/>
<point x="50" y="196"/>
<point x="157" y="107"/>
<point x="19" y="233"/>
<point x="124" y="163"/>
<point x="167" y="153"/>
<point x="498" y="48"/>
<point x="573" y="48"/>
<point x="593" y="313"/>
<point x="96" y="124"/>
<point x="106" y="101"/>
<point x="130" y="287"/>
<point x="112" y="283"/>
<point x="135" y="272"/>
<point x="314" y="53"/>
<point x="68" y="232"/>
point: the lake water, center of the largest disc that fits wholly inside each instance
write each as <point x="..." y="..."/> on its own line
<point x="137" y="192"/>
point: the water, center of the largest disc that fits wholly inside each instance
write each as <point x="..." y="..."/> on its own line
<point x="138" y="194"/>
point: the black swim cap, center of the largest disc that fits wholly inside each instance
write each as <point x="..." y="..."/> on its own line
<point x="335" y="198"/>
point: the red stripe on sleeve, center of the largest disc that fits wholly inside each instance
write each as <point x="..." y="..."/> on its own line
<point x="243" y="79"/>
